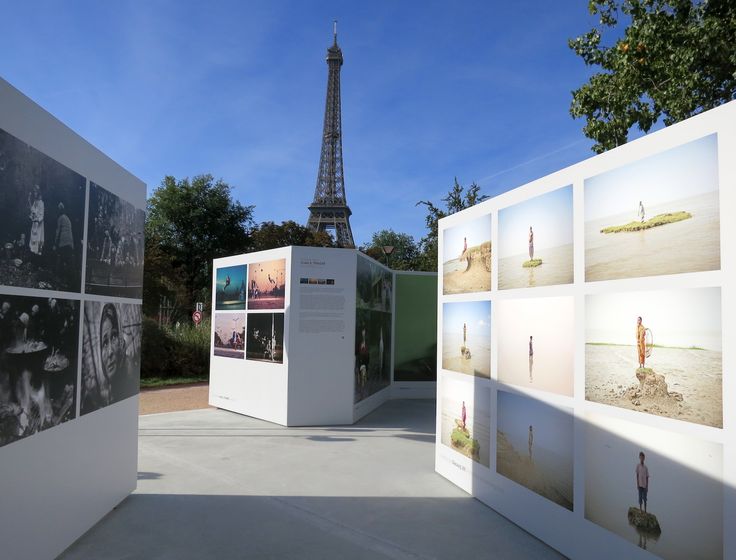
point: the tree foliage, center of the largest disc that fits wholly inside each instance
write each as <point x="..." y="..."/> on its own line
<point x="660" y="59"/>
<point x="405" y="255"/>
<point x="270" y="235"/>
<point x="458" y="198"/>
<point x="188" y="224"/>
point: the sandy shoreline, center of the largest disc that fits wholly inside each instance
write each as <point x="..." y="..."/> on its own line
<point x="696" y="374"/>
<point x="475" y="279"/>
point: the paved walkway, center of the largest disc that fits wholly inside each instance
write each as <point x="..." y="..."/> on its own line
<point x="173" y="399"/>
<point x="214" y="484"/>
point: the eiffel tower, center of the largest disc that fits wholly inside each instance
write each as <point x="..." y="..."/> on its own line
<point x="329" y="209"/>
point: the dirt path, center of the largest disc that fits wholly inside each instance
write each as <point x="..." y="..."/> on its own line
<point x="171" y="399"/>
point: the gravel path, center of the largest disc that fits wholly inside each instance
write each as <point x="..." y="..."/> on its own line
<point x="172" y="399"/>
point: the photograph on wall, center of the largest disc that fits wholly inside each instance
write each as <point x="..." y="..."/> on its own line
<point x="466" y="337"/>
<point x="230" y="288"/>
<point x="657" y="352"/>
<point x="536" y="343"/>
<point x="534" y="446"/>
<point x="415" y="340"/>
<point x="267" y="284"/>
<point x="111" y="353"/>
<point x="115" y="245"/>
<point x="466" y="419"/>
<point x="43" y="219"/>
<point x="39" y="340"/>
<point x="265" y="339"/>
<point x="374" y="286"/>
<point x="535" y="241"/>
<point x="466" y="257"/>
<point x="229" y="338"/>
<point x="659" y="215"/>
<point x="372" y="352"/>
<point x="660" y="490"/>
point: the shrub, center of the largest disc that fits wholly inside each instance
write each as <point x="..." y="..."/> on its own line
<point x="175" y="352"/>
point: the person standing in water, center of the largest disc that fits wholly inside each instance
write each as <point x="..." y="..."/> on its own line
<point x="464" y="415"/>
<point x="531" y="441"/>
<point x="642" y="481"/>
<point x="465" y="333"/>
<point x="531" y="243"/>
<point x="641" y="341"/>
<point x="641" y="211"/>
<point x="531" y="359"/>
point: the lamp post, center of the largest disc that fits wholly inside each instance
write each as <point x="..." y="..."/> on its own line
<point x="387" y="250"/>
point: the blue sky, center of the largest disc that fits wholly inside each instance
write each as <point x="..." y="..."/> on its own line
<point x="237" y="276"/>
<point x="549" y="215"/>
<point x="430" y="90"/>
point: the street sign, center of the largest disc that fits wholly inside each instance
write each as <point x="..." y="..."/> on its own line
<point x="200" y="306"/>
<point x="197" y="317"/>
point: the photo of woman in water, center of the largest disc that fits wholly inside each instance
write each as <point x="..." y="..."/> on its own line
<point x="110" y="354"/>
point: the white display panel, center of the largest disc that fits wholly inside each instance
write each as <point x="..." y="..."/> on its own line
<point x="255" y="384"/>
<point x="577" y="389"/>
<point x="71" y="330"/>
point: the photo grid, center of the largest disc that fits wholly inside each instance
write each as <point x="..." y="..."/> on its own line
<point x="652" y="368"/>
<point x="249" y="311"/>
<point x="49" y="372"/>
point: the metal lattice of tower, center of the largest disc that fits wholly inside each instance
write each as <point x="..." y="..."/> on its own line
<point x="329" y="209"/>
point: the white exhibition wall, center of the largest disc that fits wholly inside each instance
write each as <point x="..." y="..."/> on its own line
<point x="550" y="386"/>
<point x="70" y="331"/>
<point x="301" y="335"/>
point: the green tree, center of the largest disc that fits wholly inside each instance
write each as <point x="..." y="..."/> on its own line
<point x="663" y="59"/>
<point x="188" y="224"/>
<point x="270" y="235"/>
<point x="405" y="254"/>
<point x="457" y="199"/>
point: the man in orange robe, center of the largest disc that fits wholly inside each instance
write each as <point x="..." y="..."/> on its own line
<point x="641" y="341"/>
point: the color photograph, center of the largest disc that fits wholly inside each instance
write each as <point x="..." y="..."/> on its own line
<point x="372" y="352"/>
<point x="536" y="343"/>
<point x="466" y="419"/>
<point x="534" y="446"/>
<point x="466" y="257"/>
<point x="657" y="352"/>
<point x="265" y="341"/>
<point x="230" y="288"/>
<point x="374" y="286"/>
<point x="466" y="337"/>
<point x="111" y="353"/>
<point x="39" y="340"/>
<point x="656" y="216"/>
<point x="660" y="490"/>
<point x="415" y="351"/>
<point x="535" y="241"/>
<point x="229" y="339"/>
<point x="115" y="245"/>
<point x="267" y="284"/>
<point x="43" y="219"/>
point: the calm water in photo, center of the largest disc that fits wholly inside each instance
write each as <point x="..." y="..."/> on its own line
<point x="688" y="504"/>
<point x="687" y="246"/>
<point x="480" y="348"/>
<point x="556" y="268"/>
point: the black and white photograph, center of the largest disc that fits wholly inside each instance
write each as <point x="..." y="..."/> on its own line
<point x="42" y="222"/>
<point x="111" y="353"/>
<point x="115" y="245"/>
<point x="265" y="337"/>
<point x="38" y="364"/>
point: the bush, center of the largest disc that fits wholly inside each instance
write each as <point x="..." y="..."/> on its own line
<point x="175" y="352"/>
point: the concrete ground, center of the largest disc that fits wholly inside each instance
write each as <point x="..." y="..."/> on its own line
<point x="214" y="484"/>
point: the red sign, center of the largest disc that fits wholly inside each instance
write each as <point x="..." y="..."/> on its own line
<point x="197" y="317"/>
